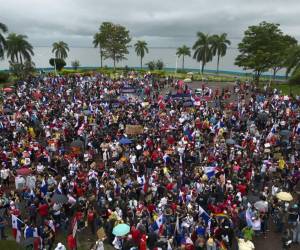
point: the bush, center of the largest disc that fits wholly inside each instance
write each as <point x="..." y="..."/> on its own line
<point x="295" y="77"/>
<point x="151" y="65"/>
<point x="22" y="71"/>
<point x="159" y="73"/>
<point x="4" y="77"/>
<point x="59" y="63"/>
<point x="181" y="71"/>
<point x="159" y="65"/>
<point x="75" y="64"/>
<point x="67" y="72"/>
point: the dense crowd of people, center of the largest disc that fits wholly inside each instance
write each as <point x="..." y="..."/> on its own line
<point x="191" y="173"/>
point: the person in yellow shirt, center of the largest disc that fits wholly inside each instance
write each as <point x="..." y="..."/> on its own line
<point x="31" y="132"/>
<point x="281" y="163"/>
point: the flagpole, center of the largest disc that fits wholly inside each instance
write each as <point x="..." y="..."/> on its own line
<point x="18" y="219"/>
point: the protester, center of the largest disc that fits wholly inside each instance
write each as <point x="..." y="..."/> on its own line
<point x="88" y="152"/>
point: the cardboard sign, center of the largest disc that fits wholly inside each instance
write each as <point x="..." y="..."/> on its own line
<point x="134" y="129"/>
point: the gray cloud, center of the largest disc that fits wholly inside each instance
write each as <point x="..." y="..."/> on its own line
<point x="161" y="23"/>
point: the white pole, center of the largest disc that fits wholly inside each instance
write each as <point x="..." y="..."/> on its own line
<point x="200" y="67"/>
<point x="176" y="64"/>
<point x="55" y="66"/>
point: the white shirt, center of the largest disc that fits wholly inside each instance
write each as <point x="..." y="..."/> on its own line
<point x="245" y="245"/>
<point x="40" y="168"/>
<point x="30" y="181"/>
<point x="4" y="173"/>
<point x="132" y="159"/>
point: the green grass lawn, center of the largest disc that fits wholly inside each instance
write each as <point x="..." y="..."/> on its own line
<point x="287" y="88"/>
<point x="9" y="244"/>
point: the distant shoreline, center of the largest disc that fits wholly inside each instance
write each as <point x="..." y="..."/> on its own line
<point x="207" y="71"/>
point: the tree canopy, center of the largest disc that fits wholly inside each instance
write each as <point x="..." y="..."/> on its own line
<point x="18" y="48"/>
<point x="263" y="47"/>
<point x="60" y="49"/>
<point x="182" y="52"/>
<point x="99" y="42"/>
<point x="116" y="41"/>
<point x="219" y="45"/>
<point x="141" y="49"/>
<point x="202" y="47"/>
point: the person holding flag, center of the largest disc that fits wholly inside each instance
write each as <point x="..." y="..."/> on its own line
<point x="16" y="227"/>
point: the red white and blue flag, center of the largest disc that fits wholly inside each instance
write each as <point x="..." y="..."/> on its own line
<point x="16" y="227"/>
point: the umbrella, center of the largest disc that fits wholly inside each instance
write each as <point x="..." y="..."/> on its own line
<point x="230" y="141"/>
<point x="101" y="233"/>
<point x="263" y="116"/>
<point x="121" y="230"/>
<point x="86" y="112"/>
<point x="8" y="90"/>
<point x="24" y="171"/>
<point x="284" y="196"/>
<point x="59" y="198"/>
<point x="7" y="111"/>
<point x="238" y="146"/>
<point x="125" y="141"/>
<point x="187" y="80"/>
<point x="123" y="98"/>
<point x="285" y="133"/>
<point x="77" y="143"/>
<point x="261" y="206"/>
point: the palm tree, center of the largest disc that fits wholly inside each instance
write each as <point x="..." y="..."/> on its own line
<point x="141" y="49"/>
<point x="60" y="49"/>
<point x="202" y="49"/>
<point x="3" y="29"/>
<point x="183" y="51"/>
<point x="219" y="45"/>
<point x="99" y="42"/>
<point x="18" y="48"/>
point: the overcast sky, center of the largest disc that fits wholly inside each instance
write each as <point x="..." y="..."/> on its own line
<point x="160" y="22"/>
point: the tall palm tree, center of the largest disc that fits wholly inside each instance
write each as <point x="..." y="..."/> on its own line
<point x="99" y="42"/>
<point x="3" y="29"/>
<point x="60" y="49"/>
<point x="18" y="48"/>
<point x="183" y="51"/>
<point x="202" y="49"/>
<point x="141" y="49"/>
<point x="219" y="45"/>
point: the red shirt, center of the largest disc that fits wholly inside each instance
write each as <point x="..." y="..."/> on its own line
<point x="169" y="186"/>
<point x="43" y="210"/>
<point x="151" y="208"/>
<point x="71" y="242"/>
<point x="78" y="215"/>
<point x="242" y="188"/>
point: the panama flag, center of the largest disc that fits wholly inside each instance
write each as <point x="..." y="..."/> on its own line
<point x="16" y="227"/>
<point x="210" y="171"/>
<point x="157" y="225"/>
<point x="249" y="217"/>
<point x="204" y="215"/>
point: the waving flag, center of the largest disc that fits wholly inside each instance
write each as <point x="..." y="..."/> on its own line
<point x="204" y="215"/>
<point x="248" y="217"/>
<point x="16" y="227"/>
<point x="30" y="232"/>
<point x="157" y="225"/>
<point x="44" y="187"/>
<point x="210" y="171"/>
